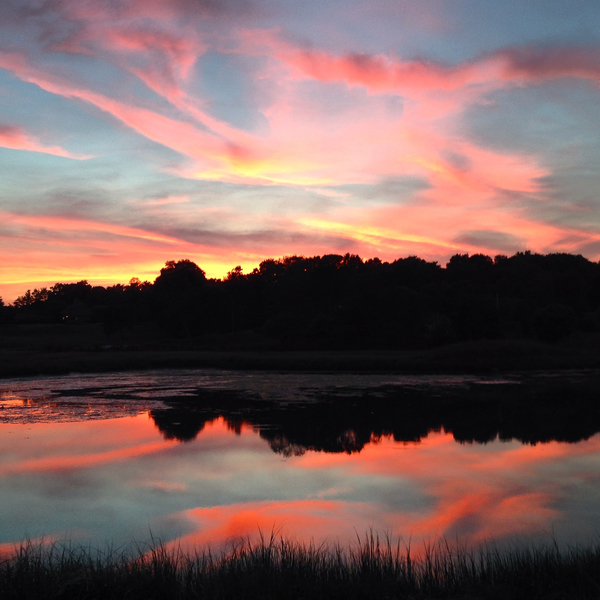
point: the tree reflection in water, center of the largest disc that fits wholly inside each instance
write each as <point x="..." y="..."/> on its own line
<point x="346" y="419"/>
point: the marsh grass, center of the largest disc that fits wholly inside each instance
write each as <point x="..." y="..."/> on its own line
<point x="279" y="568"/>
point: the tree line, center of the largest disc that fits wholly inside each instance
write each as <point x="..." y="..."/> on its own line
<point x="341" y="301"/>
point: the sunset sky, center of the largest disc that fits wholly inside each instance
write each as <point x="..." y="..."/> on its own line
<point x="231" y="131"/>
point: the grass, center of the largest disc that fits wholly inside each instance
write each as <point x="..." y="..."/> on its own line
<point x="466" y="357"/>
<point x="276" y="568"/>
<point x="49" y="349"/>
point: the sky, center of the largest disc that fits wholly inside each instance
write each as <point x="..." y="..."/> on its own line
<point x="232" y="131"/>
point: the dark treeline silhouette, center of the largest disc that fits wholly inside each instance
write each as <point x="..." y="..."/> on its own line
<point x="338" y="302"/>
<point x="345" y="420"/>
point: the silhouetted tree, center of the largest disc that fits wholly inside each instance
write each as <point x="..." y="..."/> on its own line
<point x="179" y="291"/>
<point x="553" y="322"/>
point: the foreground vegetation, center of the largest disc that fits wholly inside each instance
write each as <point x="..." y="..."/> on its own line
<point x="282" y="569"/>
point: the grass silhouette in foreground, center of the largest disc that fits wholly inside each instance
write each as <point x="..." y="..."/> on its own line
<point x="274" y="567"/>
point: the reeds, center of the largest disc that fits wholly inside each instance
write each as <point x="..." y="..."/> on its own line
<point x="278" y="568"/>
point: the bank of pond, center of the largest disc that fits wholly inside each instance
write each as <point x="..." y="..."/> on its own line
<point x="58" y="350"/>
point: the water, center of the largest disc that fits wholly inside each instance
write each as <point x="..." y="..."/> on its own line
<point x="203" y="457"/>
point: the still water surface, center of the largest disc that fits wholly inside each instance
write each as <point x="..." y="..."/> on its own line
<point x="203" y="457"/>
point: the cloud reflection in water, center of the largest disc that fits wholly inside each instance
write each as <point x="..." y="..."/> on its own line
<point x="118" y="480"/>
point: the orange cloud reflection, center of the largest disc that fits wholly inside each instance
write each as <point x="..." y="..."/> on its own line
<point x="474" y="494"/>
<point x="303" y="520"/>
<point x="88" y="444"/>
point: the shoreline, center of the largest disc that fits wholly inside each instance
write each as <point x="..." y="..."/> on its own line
<point x="480" y="357"/>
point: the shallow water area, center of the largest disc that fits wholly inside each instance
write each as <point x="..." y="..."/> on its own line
<point x="206" y="457"/>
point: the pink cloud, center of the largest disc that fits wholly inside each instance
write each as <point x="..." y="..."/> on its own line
<point x="16" y="138"/>
<point x="306" y="146"/>
<point x="212" y="155"/>
<point x="298" y="150"/>
<point x="378" y="73"/>
<point x="166" y="200"/>
<point x="178" y="135"/>
<point x="160" y="58"/>
<point x="383" y="73"/>
<point x="388" y="72"/>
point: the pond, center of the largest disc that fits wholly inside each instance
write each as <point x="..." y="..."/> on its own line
<point x="203" y="457"/>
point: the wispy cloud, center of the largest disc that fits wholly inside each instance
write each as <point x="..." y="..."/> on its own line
<point x="16" y="138"/>
<point x="166" y="200"/>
